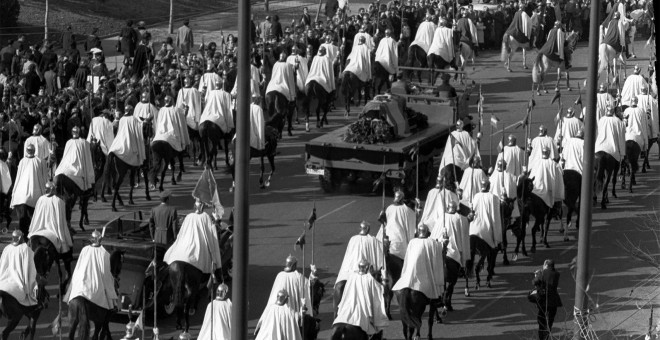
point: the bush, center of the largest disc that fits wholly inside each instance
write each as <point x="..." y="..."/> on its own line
<point x="9" y="10"/>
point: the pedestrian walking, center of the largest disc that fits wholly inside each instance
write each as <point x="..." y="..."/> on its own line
<point x="184" y="38"/>
<point x="546" y="281"/>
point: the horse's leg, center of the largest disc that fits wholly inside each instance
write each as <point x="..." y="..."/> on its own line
<point x="535" y="229"/>
<point x="615" y="173"/>
<point x="524" y="53"/>
<point x="546" y="227"/>
<point x="492" y="257"/>
<point x="568" y="81"/>
<point x="261" y="175"/>
<point x="478" y="268"/>
<point x="117" y="184"/>
<point x="11" y="325"/>
<point x="432" y="311"/>
<point x="133" y="173"/>
<point x="558" y="78"/>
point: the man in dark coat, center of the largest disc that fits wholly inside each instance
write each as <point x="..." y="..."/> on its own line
<point x="163" y="222"/>
<point x="553" y="47"/>
<point x="32" y="81"/>
<point x="143" y="57"/>
<point x="331" y="7"/>
<point x="547" y="280"/>
<point x="128" y="39"/>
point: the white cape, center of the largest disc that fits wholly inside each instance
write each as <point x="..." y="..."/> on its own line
<point x="568" y="127"/>
<point x="650" y="106"/>
<point x="359" y="62"/>
<point x="5" y="178"/>
<point x="218" y="110"/>
<point x="514" y="157"/>
<point x="331" y="51"/>
<point x="464" y="148"/>
<point x="368" y="41"/>
<point x="171" y="128"/>
<point x="502" y="182"/>
<point x="196" y="244"/>
<point x="611" y="137"/>
<point x="77" y="163"/>
<point x="101" y="129"/>
<point x="129" y="142"/>
<point x="548" y="181"/>
<point x="292" y="282"/>
<point x="193" y="98"/>
<point x="302" y="71"/>
<point x="49" y="221"/>
<point x="424" y="36"/>
<point x="434" y="208"/>
<point x="602" y="101"/>
<point x="487" y="223"/>
<point x="362" y="304"/>
<point x="217" y="319"/>
<point x="282" y="80"/>
<point x="423" y="268"/>
<point x="400" y="229"/>
<point x="637" y="126"/>
<point x="146" y="111"/>
<point x="41" y="147"/>
<point x="257" y="127"/>
<point x="471" y="183"/>
<point x="360" y="247"/>
<point x="538" y="143"/>
<point x="443" y="44"/>
<point x="207" y="83"/>
<point x="456" y="228"/>
<point x="30" y="182"/>
<point x="632" y="88"/>
<point x="278" y="323"/>
<point x="92" y="278"/>
<point x="321" y="71"/>
<point x="387" y="54"/>
<point x="573" y="154"/>
<point x="18" y="275"/>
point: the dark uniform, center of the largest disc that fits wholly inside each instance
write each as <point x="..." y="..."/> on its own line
<point x="548" y="280"/>
<point x="162" y="224"/>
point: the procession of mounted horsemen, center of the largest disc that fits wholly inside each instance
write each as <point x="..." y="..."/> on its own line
<point x="423" y="245"/>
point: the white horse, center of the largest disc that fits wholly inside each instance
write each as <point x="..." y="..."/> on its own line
<point x="608" y="58"/>
<point x="510" y="45"/>
<point x="543" y="65"/>
<point x="464" y="53"/>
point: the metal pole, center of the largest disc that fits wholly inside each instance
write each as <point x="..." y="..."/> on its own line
<point x="241" y="199"/>
<point x="581" y="277"/>
<point x="46" y="24"/>
<point x="171" y="27"/>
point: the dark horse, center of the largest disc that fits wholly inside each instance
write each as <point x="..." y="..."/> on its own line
<point x="416" y="53"/>
<point x="14" y="311"/>
<point x="323" y="99"/>
<point x="38" y="242"/>
<point x="533" y="205"/>
<point x="69" y="191"/>
<point x="115" y="166"/>
<point x="211" y="138"/>
<point x="278" y="105"/>
<point x="412" y="304"/>
<point x="572" y="191"/>
<point x="269" y="151"/>
<point x="163" y="154"/>
<point x="381" y="77"/>
<point x="82" y="311"/>
<point x="605" y="164"/>
<point x="350" y="84"/>
<point x="486" y="252"/>
<point x="344" y="331"/>
<point x="630" y="164"/>
<point x="98" y="160"/>
<point x="187" y="282"/>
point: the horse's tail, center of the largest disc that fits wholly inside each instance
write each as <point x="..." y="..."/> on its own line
<point x="505" y="47"/>
<point x="633" y="150"/>
<point x="537" y="69"/>
<point x="406" y="306"/>
<point x="178" y="281"/>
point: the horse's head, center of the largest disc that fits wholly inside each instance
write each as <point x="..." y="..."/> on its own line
<point x="116" y="262"/>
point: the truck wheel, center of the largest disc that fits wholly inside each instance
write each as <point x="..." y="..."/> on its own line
<point x="330" y="181"/>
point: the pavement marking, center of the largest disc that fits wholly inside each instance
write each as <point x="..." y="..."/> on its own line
<point x="651" y="193"/>
<point x="334" y="211"/>
<point x="489" y="304"/>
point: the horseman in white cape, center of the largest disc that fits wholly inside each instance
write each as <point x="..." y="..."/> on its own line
<point x="471" y="181"/>
<point x="145" y="110"/>
<point x="301" y="71"/>
<point x="464" y="148"/>
<point x="569" y="126"/>
<point x="423" y="267"/>
<point x="539" y="143"/>
<point x="361" y="246"/>
<point x="190" y="99"/>
<point x="603" y="99"/>
<point x="49" y="221"/>
<point x="487" y="223"/>
<point x="362" y="304"/>
<point x="513" y="156"/>
<point x="442" y="46"/>
<point x="101" y="131"/>
<point x="321" y="70"/>
<point x="359" y="61"/>
<point x="76" y="162"/>
<point x="548" y="179"/>
<point x="92" y="277"/>
<point x="400" y="226"/>
<point x="363" y="35"/>
<point x="18" y="274"/>
<point x="387" y="56"/>
<point x="217" y="319"/>
<point x="29" y="186"/>
<point x="170" y="126"/>
<point x="257" y="125"/>
<point x="40" y="143"/>
<point x="636" y="125"/>
<point x="279" y="321"/>
<point x="435" y="206"/>
<point x="128" y="144"/>
<point x="294" y="284"/>
<point x="282" y="79"/>
<point x="425" y="34"/>
<point x="518" y="35"/>
<point x="611" y="136"/>
<point x="632" y="87"/>
<point x="218" y="108"/>
<point x="503" y="185"/>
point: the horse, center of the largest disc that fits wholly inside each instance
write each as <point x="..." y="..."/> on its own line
<point x="278" y="105"/>
<point x="535" y="206"/>
<point x="518" y="230"/>
<point x="572" y="192"/>
<point x="211" y="138"/>
<point x="607" y="60"/>
<point x="341" y="331"/>
<point x="412" y="304"/>
<point x="350" y="84"/>
<point x="163" y="152"/>
<point x="195" y="145"/>
<point x="511" y="45"/>
<point x="14" y="311"/>
<point x="435" y="61"/>
<point x="117" y="167"/>
<point x="68" y="190"/>
<point x="485" y="252"/>
<point x="269" y="152"/>
<point x="98" y="160"/>
<point x="338" y="291"/>
<point x="452" y="173"/>
<point x="186" y="282"/>
<point x="323" y="99"/>
<point x="630" y="164"/>
<point x="605" y="164"/>
<point x="416" y="54"/>
<point x="381" y="76"/>
<point x="506" y="210"/>
<point x="82" y="311"/>
<point x="38" y="242"/>
<point x="464" y="52"/>
<point x="543" y="64"/>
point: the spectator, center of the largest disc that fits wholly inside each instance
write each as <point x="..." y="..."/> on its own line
<point x="276" y="28"/>
<point x="6" y="55"/>
<point x="167" y="53"/>
<point x="305" y="19"/>
<point x="49" y="57"/>
<point x="68" y="37"/>
<point x="184" y="38"/>
<point x="547" y="281"/>
<point x="50" y="80"/>
<point x="93" y="40"/>
<point x="32" y="80"/>
<point x="128" y="39"/>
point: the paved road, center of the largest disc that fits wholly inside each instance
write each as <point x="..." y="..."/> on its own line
<point x="621" y="287"/>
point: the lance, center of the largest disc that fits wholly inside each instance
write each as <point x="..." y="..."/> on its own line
<point x="155" y="295"/>
<point x="490" y="141"/>
<point x="451" y="145"/>
<point x="50" y="137"/>
<point x="417" y="205"/>
<point x="383" y="221"/>
<point x="503" y="169"/>
<point x="312" y="225"/>
<point x="302" y="282"/>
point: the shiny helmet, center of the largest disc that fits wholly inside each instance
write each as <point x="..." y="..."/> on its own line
<point x="187" y="81"/>
<point x="168" y="100"/>
<point x="459" y="125"/>
<point x="388" y="32"/>
<point x="501" y="165"/>
<point x="222" y="291"/>
<point x="144" y="98"/>
<point x="364" y="228"/>
<point x="96" y="238"/>
<point x="580" y="133"/>
<point x="543" y="130"/>
<point x="511" y="140"/>
<point x="322" y="51"/>
<point x="185" y="336"/>
<point x="75" y="132"/>
<point x="634" y="101"/>
<point x="50" y="188"/>
<point x="282" y="297"/>
<point x="570" y="112"/>
<point x="423" y="231"/>
<point x="199" y="206"/>
<point x="283" y="56"/>
<point x="451" y="207"/>
<point x="645" y="90"/>
<point x="36" y="130"/>
<point x="16" y="237"/>
<point x="617" y="15"/>
<point x="362" y="40"/>
<point x="30" y="150"/>
<point x="545" y="152"/>
<point x="363" y="266"/>
<point x="475" y="162"/>
<point x="609" y="111"/>
<point x="637" y="69"/>
<point x="399" y="196"/>
<point x="485" y="185"/>
<point x="290" y="263"/>
<point x="602" y="88"/>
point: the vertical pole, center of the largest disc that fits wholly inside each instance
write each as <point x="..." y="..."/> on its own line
<point x="46" y="24"/>
<point x="171" y="26"/>
<point x="581" y="277"/>
<point x="241" y="199"/>
<point x="490" y="142"/>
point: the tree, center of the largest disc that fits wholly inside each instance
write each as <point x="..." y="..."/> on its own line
<point x="9" y="10"/>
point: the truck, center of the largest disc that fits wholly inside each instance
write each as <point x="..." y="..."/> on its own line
<point x="403" y="161"/>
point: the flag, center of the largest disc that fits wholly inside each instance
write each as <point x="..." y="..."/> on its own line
<point x="300" y="241"/>
<point x="312" y="217"/>
<point x="578" y="101"/>
<point x="493" y="121"/>
<point x="379" y="181"/>
<point x="556" y="97"/>
<point x="206" y="191"/>
<point x="558" y="117"/>
<point x="454" y="141"/>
